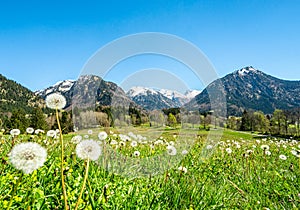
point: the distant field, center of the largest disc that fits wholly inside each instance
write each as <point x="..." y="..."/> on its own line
<point x="237" y="172"/>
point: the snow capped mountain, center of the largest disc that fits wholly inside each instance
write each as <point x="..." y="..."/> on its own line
<point x="246" y="70"/>
<point x="61" y="86"/>
<point x="135" y="91"/>
<point x="150" y="98"/>
<point x="190" y="94"/>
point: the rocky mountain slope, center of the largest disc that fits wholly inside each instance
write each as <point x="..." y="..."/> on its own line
<point x="249" y="88"/>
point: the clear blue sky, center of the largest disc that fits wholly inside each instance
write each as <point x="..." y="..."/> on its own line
<point x="42" y="42"/>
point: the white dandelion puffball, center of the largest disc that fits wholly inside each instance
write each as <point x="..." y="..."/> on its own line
<point x="265" y="147"/>
<point x="102" y="135"/>
<point x="15" y="132"/>
<point x="296" y="153"/>
<point x="136" y="153"/>
<point x="228" y="150"/>
<point x="29" y="130"/>
<point x="171" y="150"/>
<point x="184" y="152"/>
<point x="51" y="133"/>
<point x="267" y="152"/>
<point x="282" y="157"/>
<point x="133" y="144"/>
<point x="28" y="156"/>
<point x="88" y="149"/>
<point x="209" y="146"/>
<point x="76" y="139"/>
<point x="182" y="168"/>
<point x="56" y="101"/>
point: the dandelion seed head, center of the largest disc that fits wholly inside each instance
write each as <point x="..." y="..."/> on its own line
<point x="102" y="135"/>
<point x="265" y="147"/>
<point x="15" y="132"/>
<point x="184" y="152"/>
<point x="76" y="139"/>
<point x="51" y="133"/>
<point x="88" y="149"/>
<point x="136" y="153"/>
<point x="171" y="150"/>
<point x="228" y="150"/>
<point x="267" y="152"/>
<point x="28" y="156"/>
<point x="29" y="130"/>
<point x="56" y="101"/>
<point x="133" y="144"/>
<point x="182" y="169"/>
<point x="282" y="157"/>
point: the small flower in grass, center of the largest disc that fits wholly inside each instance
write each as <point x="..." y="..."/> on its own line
<point x="282" y="157"/>
<point x="88" y="149"/>
<point x="29" y="130"/>
<point x="296" y="153"/>
<point x="171" y="150"/>
<point x="136" y="153"/>
<point x="265" y="147"/>
<point x="182" y="169"/>
<point x="90" y="132"/>
<point x="76" y="139"/>
<point x="56" y="101"/>
<point x="209" y="147"/>
<point x="38" y="131"/>
<point x="15" y="132"/>
<point x="113" y="142"/>
<point x="184" y="152"/>
<point x="122" y="143"/>
<point x="134" y="144"/>
<point x="51" y="133"/>
<point x="28" y="156"/>
<point x="267" y="152"/>
<point x="102" y="135"/>
<point x="229" y="150"/>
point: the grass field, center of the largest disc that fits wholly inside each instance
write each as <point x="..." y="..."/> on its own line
<point x="235" y="172"/>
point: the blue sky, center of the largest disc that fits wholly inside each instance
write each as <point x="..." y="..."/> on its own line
<point x="42" y="42"/>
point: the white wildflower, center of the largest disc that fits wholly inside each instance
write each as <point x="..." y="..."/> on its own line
<point x="184" y="152"/>
<point x="182" y="169"/>
<point x="28" y="156"/>
<point x="15" y="132"/>
<point x="76" y="139"/>
<point x="134" y="144"/>
<point x="102" y="135"/>
<point x="282" y="157"/>
<point x="136" y="153"/>
<point x="229" y="150"/>
<point x="51" y="133"/>
<point x="267" y="152"/>
<point x="56" y="101"/>
<point x="171" y="150"/>
<point x="265" y="147"/>
<point x="88" y="149"/>
<point x="29" y="130"/>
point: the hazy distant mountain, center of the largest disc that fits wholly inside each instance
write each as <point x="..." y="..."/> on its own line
<point x="159" y="99"/>
<point x="249" y="88"/>
<point x="16" y="96"/>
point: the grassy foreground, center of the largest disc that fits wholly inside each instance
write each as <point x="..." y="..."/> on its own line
<point x="239" y="174"/>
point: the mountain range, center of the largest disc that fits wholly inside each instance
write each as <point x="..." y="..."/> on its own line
<point x="246" y="88"/>
<point x="249" y="88"/>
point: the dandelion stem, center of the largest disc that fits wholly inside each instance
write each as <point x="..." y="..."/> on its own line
<point x="83" y="184"/>
<point x="14" y="191"/>
<point x="62" y="162"/>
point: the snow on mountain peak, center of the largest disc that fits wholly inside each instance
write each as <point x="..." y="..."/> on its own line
<point x="137" y="90"/>
<point x="244" y="71"/>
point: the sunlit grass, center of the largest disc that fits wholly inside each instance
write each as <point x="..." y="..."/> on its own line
<point x="236" y="180"/>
